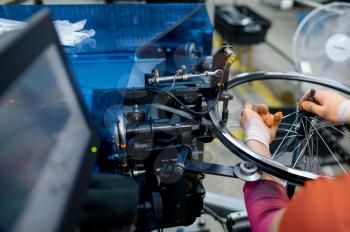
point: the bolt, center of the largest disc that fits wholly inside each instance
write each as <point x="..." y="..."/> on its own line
<point x="247" y="165"/>
<point x="179" y="171"/>
<point x="136" y="108"/>
<point x="247" y="168"/>
<point x="219" y="73"/>
<point x="220" y="85"/>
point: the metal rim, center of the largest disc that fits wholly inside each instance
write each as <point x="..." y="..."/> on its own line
<point x="242" y="151"/>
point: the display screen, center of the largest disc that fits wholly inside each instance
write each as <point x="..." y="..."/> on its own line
<point x="40" y="117"/>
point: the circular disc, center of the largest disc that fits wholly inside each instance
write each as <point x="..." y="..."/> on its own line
<point x="321" y="44"/>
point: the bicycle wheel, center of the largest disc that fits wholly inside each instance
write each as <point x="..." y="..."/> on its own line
<point x="305" y="146"/>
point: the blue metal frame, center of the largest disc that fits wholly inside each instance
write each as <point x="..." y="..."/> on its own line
<point x="115" y="57"/>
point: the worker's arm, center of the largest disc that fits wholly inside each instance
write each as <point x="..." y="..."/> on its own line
<point x="266" y="200"/>
<point x="266" y="197"/>
<point x="260" y="130"/>
<point x="321" y="205"/>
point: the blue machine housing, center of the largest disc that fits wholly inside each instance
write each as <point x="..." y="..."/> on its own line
<point x="111" y="69"/>
<point x="130" y="40"/>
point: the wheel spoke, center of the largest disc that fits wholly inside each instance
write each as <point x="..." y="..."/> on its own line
<point x="288" y="115"/>
<point x="300" y="143"/>
<point x="312" y="154"/>
<point x="289" y="131"/>
<point x="306" y="130"/>
<point x="285" y="123"/>
<point x="328" y="148"/>
<point x="281" y="153"/>
<point x="294" y="123"/>
<point x="318" y="155"/>
<point x="299" y="156"/>
<point x="234" y="126"/>
<point x="333" y="127"/>
<point x="290" y="136"/>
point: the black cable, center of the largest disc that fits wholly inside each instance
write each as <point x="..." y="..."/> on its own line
<point x="182" y="104"/>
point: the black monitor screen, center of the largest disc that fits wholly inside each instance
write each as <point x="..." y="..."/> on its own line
<point x="43" y="134"/>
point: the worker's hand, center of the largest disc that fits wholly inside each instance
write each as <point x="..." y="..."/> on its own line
<point x="328" y="105"/>
<point x="259" y="124"/>
<point x="260" y="129"/>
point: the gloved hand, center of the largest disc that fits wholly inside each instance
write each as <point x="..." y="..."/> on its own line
<point x="328" y="105"/>
<point x="259" y="124"/>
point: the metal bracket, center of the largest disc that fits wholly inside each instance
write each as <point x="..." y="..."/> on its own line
<point x="244" y="170"/>
<point x="210" y="168"/>
<point x="247" y="171"/>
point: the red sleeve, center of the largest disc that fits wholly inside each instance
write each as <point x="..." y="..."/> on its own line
<point x="263" y="199"/>
<point x="322" y="205"/>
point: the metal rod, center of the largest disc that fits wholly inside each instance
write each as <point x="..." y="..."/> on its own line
<point x="209" y="168"/>
<point x="183" y="77"/>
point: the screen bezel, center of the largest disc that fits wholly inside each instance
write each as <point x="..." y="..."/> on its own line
<point x="18" y="49"/>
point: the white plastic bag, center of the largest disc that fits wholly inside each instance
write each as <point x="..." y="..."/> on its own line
<point x="10" y="25"/>
<point x="70" y="34"/>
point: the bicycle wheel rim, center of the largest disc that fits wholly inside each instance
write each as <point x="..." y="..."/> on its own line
<point x="273" y="167"/>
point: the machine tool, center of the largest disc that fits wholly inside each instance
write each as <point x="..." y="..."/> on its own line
<point x="156" y="93"/>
